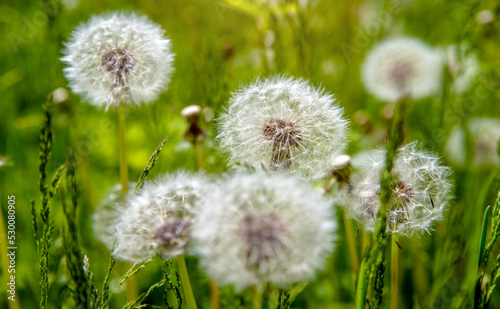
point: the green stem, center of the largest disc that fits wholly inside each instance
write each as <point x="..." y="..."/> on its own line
<point x="198" y="147"/>
<point x="131" y="285"/>
<point x="214" y="295"/>
<point x="186" y="284"/>
<point x="362" y="285"/>
<point x="257" y="298"/>
<point x="353" y="253"/>
<point x="394" y="272"/>
<point x="123" y="150"/>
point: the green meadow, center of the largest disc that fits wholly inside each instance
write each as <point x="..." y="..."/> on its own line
<point x="59" y="155"/>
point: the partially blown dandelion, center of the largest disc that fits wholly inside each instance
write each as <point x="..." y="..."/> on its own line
<point x="158" y="219"/>
<point x="257" y="228"/>
<point x="400" y="67"/>
<point x="283" y="124"/>
<point x="420" y="193"/>
<point x="118" y="58"/>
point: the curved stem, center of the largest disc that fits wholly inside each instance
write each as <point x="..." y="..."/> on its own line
<point x="186" y="284"/>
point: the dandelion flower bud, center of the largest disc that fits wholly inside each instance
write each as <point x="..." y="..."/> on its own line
<point x="420" y="194"/>
<point x="403" y="66"/>
<point x="118" y="58"/>
<point x="157" y="220"/>
<point x="283" y="124"/>
<point x="257" y="228"/>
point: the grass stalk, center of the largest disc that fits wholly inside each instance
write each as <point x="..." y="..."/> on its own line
<point x="186" y="284"/>
<point x="394" y="272"/>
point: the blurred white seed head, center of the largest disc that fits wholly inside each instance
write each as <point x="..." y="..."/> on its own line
<point x="463" y="66"/>
<point x="118" y="58"/>
<point x="419" y="197"/>
<point x="402" y="66"/>
<point x="283" y="124"/>
<point x="485" y="134"/>
<point x="258" y="228"/>
<point x="157" y="220"/>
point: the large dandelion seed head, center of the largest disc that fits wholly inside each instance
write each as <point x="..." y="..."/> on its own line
<point x="420" y="194"/>
<point x="402" y="66"/>
<point x="157" y="220"/>
<point x="257" y="228"/>
<point x="118" y="58"/>
<point x="283" y="124"/>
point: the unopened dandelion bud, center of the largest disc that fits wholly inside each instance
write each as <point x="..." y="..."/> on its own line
<point x="194" y="133"/>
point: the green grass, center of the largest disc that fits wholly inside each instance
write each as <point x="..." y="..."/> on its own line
<point x="218" y="48"/>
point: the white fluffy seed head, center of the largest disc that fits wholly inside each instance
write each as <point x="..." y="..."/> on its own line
<point x="283" y="124"/>
<point x="402" y="66"/>
<point x="258" y="228"/>
<point x="118" y="58"/>
<point x="420" y="194"/>
<point x="485" y="133"/>
<point x="462" y="65"/>
<point x="157" y="220"/>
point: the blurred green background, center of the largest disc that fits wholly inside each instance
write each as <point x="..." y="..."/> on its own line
<point x="220" y="45"/>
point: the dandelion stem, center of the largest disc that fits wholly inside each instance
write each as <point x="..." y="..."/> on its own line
<point x="214" y="295"/>
<point x="186" y="284"/>
<point x="351" y="244"/>
<point x="123" y="149"/>
<point x="257" y="298"/>
<point x="131" y="283"/>
<point x="198" y="147"/>
<point x="394" y="272"/>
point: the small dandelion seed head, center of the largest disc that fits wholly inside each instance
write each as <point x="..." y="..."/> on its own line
<point x="402" y="66"/>
<point x="485" y="133"/>
<point x="284" y="124"/>
<point x="462" y="65"/>
<point x="157" y="220"/>
<point x="257" y="228"/>
<point x="420" y="195"/>
<point x="118" y="58"/>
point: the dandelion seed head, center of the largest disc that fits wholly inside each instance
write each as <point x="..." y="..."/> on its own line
<point x="118" y="58"/>
<point x="485" y="133"/>
<point x="258" y="228"/>
<point x="462" y="65"/>
<point x="157" y="220"/>
<point x="283" y="124"/>
<point x="402" y="66"/>
<point x="420" y="195"/>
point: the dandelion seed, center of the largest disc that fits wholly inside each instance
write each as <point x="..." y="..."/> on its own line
<point x="158" y="219"/>
<point x="283" y="124"/>
<point x="402" y="66"/>
<point x="419" y="197"/>
<point x="257" y="228"/>
<point x="118" y="58"/>
<point x="485" y="133"/>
